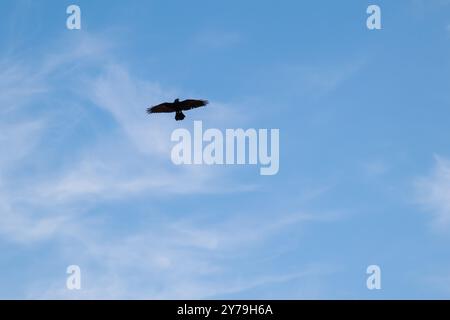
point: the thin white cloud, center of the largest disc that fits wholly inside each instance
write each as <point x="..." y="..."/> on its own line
<point x="19" y="139"/>
<point x="434" y="193"/>
<point x="375" y="168"/>
<point x="18" y="85"/>
<point x="311" y="81"/>
<point x="321" y="80"/>
<point x="134" y="161"/>
<point x="21" y="227"/>
<point x="177" y="260"/>
<point x="126" y="100"/>
<point x="167" y="260"/>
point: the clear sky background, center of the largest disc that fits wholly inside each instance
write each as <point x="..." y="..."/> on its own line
<point x="86" y="176"/>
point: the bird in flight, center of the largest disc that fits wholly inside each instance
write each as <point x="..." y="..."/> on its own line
<point x="178" y="107"/>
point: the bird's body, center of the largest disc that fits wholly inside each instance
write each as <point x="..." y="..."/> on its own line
<point x="178" y="107"/>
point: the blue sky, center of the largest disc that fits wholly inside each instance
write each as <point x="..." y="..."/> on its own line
<point x="86" y="176"/>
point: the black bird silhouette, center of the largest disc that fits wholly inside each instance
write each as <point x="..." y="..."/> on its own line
<point x="178" y="107"/>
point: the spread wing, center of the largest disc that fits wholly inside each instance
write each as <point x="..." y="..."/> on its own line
<point x="192" y="104"/>
<point x="165" y="107"/>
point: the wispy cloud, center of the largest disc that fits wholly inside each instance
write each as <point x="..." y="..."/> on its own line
<point x="111" y="168"/>
<point x="178" y="260"/>
<point x="18" y="85"/>
<point x="56" y="198"/>
<point x="126" y="99"/>
<point x="322" y="79"/>
<point x="434" y="193"/>
<point x="375" y="168"/>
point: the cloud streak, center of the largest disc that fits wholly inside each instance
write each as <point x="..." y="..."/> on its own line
<point x="434" y="193"/>
<point x="56" y="200"/>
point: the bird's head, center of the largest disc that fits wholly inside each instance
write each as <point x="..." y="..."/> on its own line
<point x="177" y="101"/>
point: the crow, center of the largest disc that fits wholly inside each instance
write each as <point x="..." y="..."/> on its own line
<point x="178" y="107"/>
